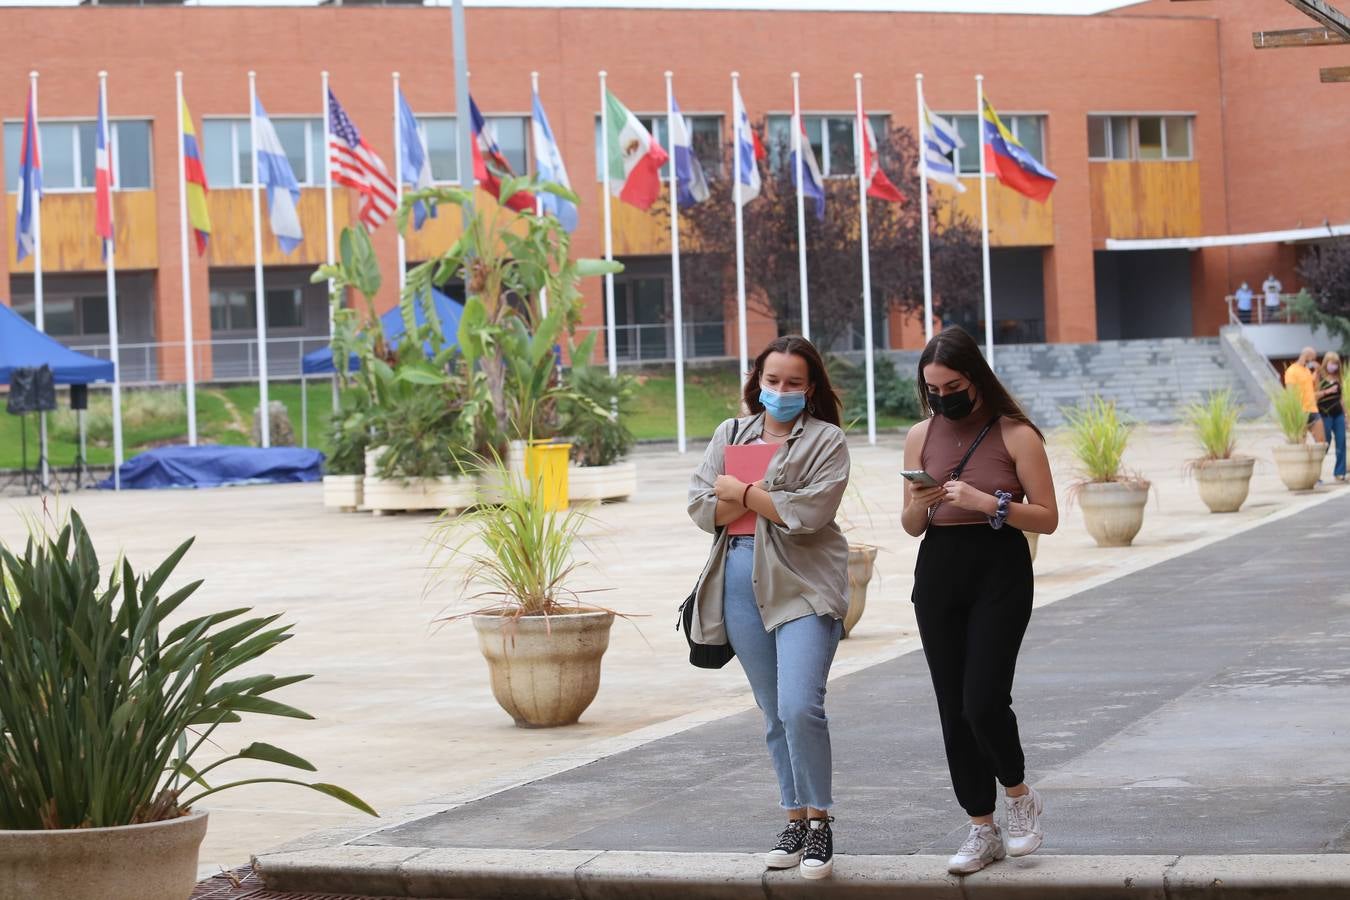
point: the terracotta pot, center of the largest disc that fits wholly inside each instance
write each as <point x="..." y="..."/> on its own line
<point x="861" y="561"/>
<point x="157" y="861"/>
<point x="544" y="672"/>
<point x="343" y="492"/>
<point x="616" y="482"/>
<point x="1224" y="483"/>
<point x="1113" y="511"/>
<point x="1300" y="465"/>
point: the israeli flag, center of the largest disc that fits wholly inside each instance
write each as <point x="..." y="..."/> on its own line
<point x="549" y="166"/>
<point x="940" y="139"/>
<point x="274" y="174"/>
<point x="416" y="161"/>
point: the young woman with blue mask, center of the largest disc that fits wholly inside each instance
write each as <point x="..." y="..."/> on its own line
<point x="779" y="596"/>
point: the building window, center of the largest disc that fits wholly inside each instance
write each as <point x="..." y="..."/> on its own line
<point x="1139" y="137"/>
<point x="228" y="148"/>
<point x="512" y="134"/>
<point x="1029" y="131"/>
<point x="69" y="316"/>
<point x="831" y="140"/>
<point x="68" y="155"/>
<point x="233" y="310"/>
<point x="705" y="132"/>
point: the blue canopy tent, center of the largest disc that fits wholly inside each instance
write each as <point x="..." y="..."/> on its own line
<point x="22" y="346"/>
<point x="320" y="362"/>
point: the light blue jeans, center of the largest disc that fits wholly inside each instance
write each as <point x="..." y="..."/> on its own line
<point x="1335" y="433"/>
<point x="787" y="669"/>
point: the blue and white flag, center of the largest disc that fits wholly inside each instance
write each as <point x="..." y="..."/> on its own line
<point x="30" y="184"/>
<point x="689" y="180"/>
<point x="749" y="151"/>
<point x="939" y="140"/>
<point x="549" y="166"/>
<point x="813" y="185"/>
<point x="416" y="161"/>
<point x="274" y="174"/>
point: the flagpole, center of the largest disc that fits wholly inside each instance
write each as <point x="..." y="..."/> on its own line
<point x="39" y="315"/>
<point x="538" y="201"/>
<point x="984" y="230"/>
<point x="868" y="353"/>
<point x="463" y="133"/>
<point x="923" y="206"/>
<point x="259" y="300"/>
<point x="740" y="223"/>
<point x="611" y="342"/>
<point x="797" y="127"/>
<point x="398" y="190"/>
<point x="185" y="258"/>
<point x="675" y="264"/>
<point x="110" y="266"/>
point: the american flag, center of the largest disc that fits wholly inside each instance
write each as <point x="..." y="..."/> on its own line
<point x="354" y="164"/>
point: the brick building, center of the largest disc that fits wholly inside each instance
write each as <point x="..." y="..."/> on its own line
<point x="1159" y="119"/>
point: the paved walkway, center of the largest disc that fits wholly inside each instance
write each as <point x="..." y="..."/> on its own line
<point x="1197" y="707"/>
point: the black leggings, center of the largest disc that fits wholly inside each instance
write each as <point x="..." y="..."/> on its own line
<point x="972" y="598"/>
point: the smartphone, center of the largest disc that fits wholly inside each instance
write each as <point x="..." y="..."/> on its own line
<point x="919" y="477"/>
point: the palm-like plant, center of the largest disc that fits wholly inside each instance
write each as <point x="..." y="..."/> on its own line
<point x="101" y="716"/>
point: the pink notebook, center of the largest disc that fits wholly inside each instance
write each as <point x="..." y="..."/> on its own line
<point x="748" y="462"/>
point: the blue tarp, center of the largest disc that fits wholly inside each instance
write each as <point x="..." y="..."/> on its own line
<point x="216" y="466"/>
<point x="23" y="346"/>
<point x="320" y="362"/>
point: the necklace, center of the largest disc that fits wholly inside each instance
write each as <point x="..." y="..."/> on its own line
<point x="768" y="430"/>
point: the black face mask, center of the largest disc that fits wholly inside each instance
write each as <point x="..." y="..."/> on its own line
<point x="953" y="406"/>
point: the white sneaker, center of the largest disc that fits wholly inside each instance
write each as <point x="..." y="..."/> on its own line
<point x="791" y="846"/>
<point x="983" y="846"/>
<point x="1024" y="823"/>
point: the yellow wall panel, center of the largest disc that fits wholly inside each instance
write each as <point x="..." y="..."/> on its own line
<point x="68" y="240"/>
<point x="232" y="228"/>
<point x="1145" y="199"/>
<point x="1014" y="220"/>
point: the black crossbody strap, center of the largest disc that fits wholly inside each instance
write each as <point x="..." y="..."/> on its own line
<point x="961" y="466"/>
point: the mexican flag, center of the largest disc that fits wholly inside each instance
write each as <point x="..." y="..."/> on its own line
<point x="635" y="158"/>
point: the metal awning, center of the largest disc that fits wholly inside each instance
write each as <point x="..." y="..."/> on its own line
<point x="1231" y="240"/>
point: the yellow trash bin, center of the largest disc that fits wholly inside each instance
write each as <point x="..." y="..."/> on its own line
<point x="546" y="470"/>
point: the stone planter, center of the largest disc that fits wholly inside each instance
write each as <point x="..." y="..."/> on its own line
<point x="861" y="563"/>
<point x="449" y="492"/>
<point x="157" y="861"/>
<point x="1224" y="483"/>
<point x="544" y="672"/>
<point x="616" y="482"/>
<point x="1113" y="511"/>
<point x="343" y="492"/>
<point x="1033" y="541"/>
<point x="1300" y="465"/>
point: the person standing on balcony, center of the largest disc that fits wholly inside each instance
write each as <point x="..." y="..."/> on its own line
<point x="1330" y="404"/>
<point x="1244" y="304"/>
<point x="1299" y="375"/>
<point x="1272" y="288"/>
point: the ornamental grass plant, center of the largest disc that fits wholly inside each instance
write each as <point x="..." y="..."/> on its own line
<point x="1097" y="437"/>
<point x="1289" y="414"/>
<point x="1214" y="421"/>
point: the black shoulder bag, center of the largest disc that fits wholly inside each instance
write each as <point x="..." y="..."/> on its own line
<point x="706" y="656"/>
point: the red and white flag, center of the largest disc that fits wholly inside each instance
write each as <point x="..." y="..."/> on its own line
<point x="878" y="184"/>
<point x="103" y="179"/>
<point x="355" y="165"/>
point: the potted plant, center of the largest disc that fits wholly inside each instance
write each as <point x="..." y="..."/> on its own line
<point x="1298" y="462"/>
<point x="542" y="645"/>
<point x="345" y="465"/>
<point x="1224" y="479"/>
<point x="595" y="420"/>
<point x="1112" y="499"/>
<point x="103" y="712"/>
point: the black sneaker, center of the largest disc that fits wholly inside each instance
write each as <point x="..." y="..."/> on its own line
<point x="791" y="846"/>
<point x="818" y="859"/>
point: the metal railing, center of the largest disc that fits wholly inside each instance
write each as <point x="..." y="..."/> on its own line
<point x="655" y="343"/>
<point x="1261" y="313"/>
<point x="219" y="359"/>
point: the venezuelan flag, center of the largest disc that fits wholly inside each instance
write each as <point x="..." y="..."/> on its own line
<point x="1011" y="163"/>
<point x="195" y="177"/>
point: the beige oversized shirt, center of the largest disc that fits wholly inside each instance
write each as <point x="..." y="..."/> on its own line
<point x="801" y="567"/>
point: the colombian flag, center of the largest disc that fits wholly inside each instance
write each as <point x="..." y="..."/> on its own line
<point x="195" y="183"/>
<point x="1011" y="162"/>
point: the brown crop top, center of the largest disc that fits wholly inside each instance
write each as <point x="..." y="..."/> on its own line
<point x="990" y="468"/>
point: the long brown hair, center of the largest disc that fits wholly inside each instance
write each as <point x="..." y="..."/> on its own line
<point x="954" y="348"/>
<point x="823" y="403"/>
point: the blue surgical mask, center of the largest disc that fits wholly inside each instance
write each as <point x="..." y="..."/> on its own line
<point x="784" y="407"/>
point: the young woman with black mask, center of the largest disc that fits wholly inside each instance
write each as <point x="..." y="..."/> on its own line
<point x="973" y="580"/>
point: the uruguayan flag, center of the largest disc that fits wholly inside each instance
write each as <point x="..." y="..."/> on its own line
<point x="416" y="163"/>
<point x="939" y="139"/>
<point x="548" y="163"/>
<point x="746" y="150"/>
<point x="274" y="174"/>
<point x="689" y="177"/>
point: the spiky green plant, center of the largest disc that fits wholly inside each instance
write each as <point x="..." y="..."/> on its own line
<point x="1215" y="423"/>
<point x="1290" y="415"/>
<point x="1098" y="437"/>
<point x="100" y="714"/>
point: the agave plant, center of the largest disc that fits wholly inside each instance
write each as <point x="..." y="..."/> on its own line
<point x="101" y="716"/>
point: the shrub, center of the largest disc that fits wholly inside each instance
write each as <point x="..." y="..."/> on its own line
<point x="896" y="395"/>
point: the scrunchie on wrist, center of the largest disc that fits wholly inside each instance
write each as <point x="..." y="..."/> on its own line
<point x="1001" y="512"/>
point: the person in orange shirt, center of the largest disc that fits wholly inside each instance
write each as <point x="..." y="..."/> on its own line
<point x="1300" y="375"/>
